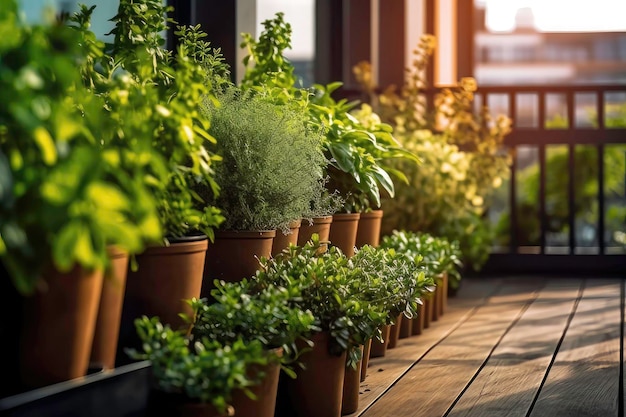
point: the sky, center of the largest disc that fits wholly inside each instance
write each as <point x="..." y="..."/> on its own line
<point x="559" y="15"/>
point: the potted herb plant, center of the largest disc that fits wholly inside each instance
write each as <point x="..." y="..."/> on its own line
<point x="63" y="201"/>
<point x="197" y="376"/>
<point x="325" y="287"/>
<point x="242" y="311"/>
<point x="271" y="169"/>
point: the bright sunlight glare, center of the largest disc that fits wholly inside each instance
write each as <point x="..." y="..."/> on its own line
<point x="559" y="15"/>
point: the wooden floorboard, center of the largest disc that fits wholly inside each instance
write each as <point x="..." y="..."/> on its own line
<point x="383" y="372"/>
<point x="433" y="383"/>
<point x="584" y="379"/>
<point x="507" y="385"/>
<point x="525" y="347"/>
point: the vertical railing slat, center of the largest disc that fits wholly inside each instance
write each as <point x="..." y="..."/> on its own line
<point x="513" y="243"/>
<point x="542" y="171"/>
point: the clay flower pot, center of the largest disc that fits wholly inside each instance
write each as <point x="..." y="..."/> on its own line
<point x="282" y="241"/>
<point x="368" y="232"/>
<point x="378" y="348"/>
<point x="366" y="359"/>
<point x="320" y="225"/>
<point x="343" y="232"/>
<point x="394" y="332"/>
<point x="351" y="385"/>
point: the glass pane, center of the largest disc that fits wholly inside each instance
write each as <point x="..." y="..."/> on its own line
<point x="301" y="15"/>
<point x="557" y="199"/>
<point x="527" y="109"/>
<point x="586" y="112"/>
<point x="556" y="111"/>
<point x="615" y="109"/>
<point x="615" y="198"/>
<point x="528" y="227"/>
<point x="586" y="199"/>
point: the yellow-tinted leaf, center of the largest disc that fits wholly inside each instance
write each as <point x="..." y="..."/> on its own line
<point x="46" y="145"/>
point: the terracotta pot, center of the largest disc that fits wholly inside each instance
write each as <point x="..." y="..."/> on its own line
<point x="343" y="232"/>
<point x="436" y="299"/>
<point x="406" y="327"/>
<point x="428" y="310"/>
<point x="378" y="348"/>
<point x="166" y="276"/>
<point x="366" y="359"/>
<point x="265" y="392"/>
<point x="104" y="346"/>
<point x="317" y="390"/>
<point x="394" y="332"/>
<point x="234" y="255"/>
<point x="418" y="322"/>
<point x="58" y="328"/>
<point x="443" y="295"/>
<point x="351" y="385"/>
<point x="368" y="232"/>
<point x="282" y="241"/>
<point x="320" y="225"/>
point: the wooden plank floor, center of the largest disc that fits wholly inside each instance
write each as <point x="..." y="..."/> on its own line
<point x="524" y="346"/>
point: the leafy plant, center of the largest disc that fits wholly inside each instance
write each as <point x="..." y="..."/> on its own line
<point x="201" y="369"/>
<point x="241" y="311"/>
<point x="463" y="159"/>
<point x="62" y="199"/>
<point x="179" y="131"/>
<point x="327" y="287"/>
<point x="393" y="280"/>
<point x="272" y="163"/>
<point x="438" y="254"/>
<point x="357" y="152"/>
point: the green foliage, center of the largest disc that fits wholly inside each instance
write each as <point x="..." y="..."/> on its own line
<point x="272" y="164"/>
<point x="270" y="66"/>
<point x="462" y="158"/>
<point x="357" y="151"/>
<point x="179" y="131"/>
<point x="198" y="369"/>
<point x="63" y="198"/>
<point x="392" y="280"/>
<point x="439" y="254"/>
<point x="328" y="288"/>
<point x="241" y="311"/>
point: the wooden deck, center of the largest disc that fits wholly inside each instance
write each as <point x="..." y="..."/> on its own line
<point x="509" y="347"/>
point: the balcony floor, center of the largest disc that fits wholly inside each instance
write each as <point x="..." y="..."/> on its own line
<point x="509" y="347"/>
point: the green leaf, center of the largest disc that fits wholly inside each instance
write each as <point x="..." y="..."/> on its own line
<point x="46" y="145"/>
<point x="343" y="154"/>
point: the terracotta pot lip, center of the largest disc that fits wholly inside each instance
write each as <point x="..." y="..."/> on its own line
<point x="187" y="238"/>
<point x="178" y="247"/>
<point x="245" y="234"/>
<point x="374" y="214"/>
<point x="319" y="220"/>
<point x="338" y="217"/>
<point x="295" y="224"/>
<point x="115" y="252"/>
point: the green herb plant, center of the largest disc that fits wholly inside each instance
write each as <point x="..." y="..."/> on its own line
<point x="241" y="311"/>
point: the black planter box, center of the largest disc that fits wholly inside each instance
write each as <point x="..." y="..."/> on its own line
<point x="122" y="392"/>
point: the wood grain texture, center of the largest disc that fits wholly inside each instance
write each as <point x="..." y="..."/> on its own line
<point x="507" y="385"/>
<point x="432" y="384"/>
<point x="383" y="372"/>
<point x="584" y="379"/>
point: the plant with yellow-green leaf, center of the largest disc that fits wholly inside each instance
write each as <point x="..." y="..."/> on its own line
<point x="462" y="158"/>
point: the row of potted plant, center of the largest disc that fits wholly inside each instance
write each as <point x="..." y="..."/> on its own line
<point x="311" y="309"/>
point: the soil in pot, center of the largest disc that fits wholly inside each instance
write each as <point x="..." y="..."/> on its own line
<point x="343" y="231"/>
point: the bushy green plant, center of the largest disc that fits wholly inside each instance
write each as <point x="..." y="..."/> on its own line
<point x="439" y="255"/>
<point x="463" y="159"/>
<point x="63" y="198"/>
<point x="357" y="152"/>
<point x="240" y="311"/>
<point x="327" y="287"/>
<point x="179" y="131"/>
<point x="272" y="165"/>
<point x="200" y="370"/>
<point x="392" y="280"/>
